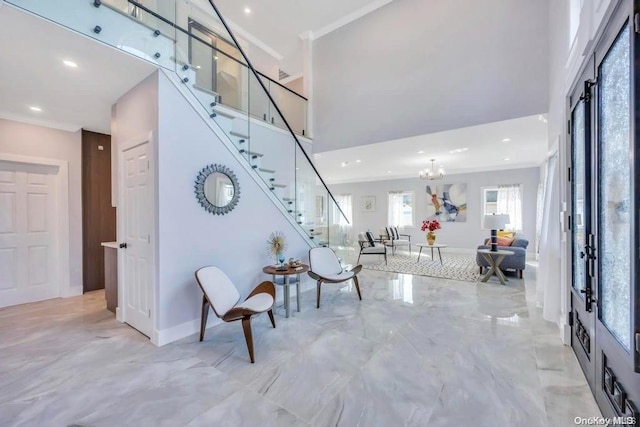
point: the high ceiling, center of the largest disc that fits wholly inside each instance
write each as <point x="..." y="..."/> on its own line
<point x="32" y="74"/>
<point x="509" y="144"/>
<point x="278" y="23"/>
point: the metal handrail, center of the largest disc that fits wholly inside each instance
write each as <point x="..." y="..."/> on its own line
<point x="251" y="67"/>
<point x="179" y="28"/>
<point x="257" y="75"/>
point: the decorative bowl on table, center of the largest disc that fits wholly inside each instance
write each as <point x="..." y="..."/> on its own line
<point x="294" y="262"/>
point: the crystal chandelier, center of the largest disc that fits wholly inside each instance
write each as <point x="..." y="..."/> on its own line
<point x="431" y="173"/>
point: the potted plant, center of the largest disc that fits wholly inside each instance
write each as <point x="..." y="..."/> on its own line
<point x="431" y="225"/>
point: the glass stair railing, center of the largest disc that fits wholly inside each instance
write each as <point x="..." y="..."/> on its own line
<point x="263" y="120"/>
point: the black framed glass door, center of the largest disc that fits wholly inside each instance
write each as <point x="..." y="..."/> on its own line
<point x="604" y="204"/>
<point x="582" y="237"/>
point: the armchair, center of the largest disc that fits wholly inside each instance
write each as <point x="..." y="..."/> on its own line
<point x="325" y="267"/>
<point x="222" y="295"/>
<point x="391" y="237"/>
<point x="368" y="246"/>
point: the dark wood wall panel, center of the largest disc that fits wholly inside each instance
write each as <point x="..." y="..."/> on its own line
<point x="98" y="216"/>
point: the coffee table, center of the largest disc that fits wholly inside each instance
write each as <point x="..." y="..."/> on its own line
<point x="270" y="269"/>
<point x="434" y="246"/>
<point x="494" y="258"/>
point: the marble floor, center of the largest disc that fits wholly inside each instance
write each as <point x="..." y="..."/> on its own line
<point x="416" y="351"/>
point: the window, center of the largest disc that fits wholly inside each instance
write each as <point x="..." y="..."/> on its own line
<point x="504" y="199"/>
<point x="575" y="9"/>
<point x="401" y="209"/>
<point x="345" y="203"/>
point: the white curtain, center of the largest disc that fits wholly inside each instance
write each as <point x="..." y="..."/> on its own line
<point x="343" y="224"/>
<point x="401" y="208"/>
<point x="510" y="202"/>
<point x="549" y="284"/>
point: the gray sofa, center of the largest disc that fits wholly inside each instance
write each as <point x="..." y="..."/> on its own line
<point x="516" y="262"/>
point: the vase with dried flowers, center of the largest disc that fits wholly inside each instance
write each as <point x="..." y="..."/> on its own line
<point x="431" y="225"/>
<point x="276" y="246"/>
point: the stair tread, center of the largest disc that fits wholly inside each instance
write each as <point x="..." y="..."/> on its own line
<point x="266" y="170"/>
<point x="205" y="90"/>
<point x="223" y="113"/>
<point x="238" y="134"/>
<point x="278" y="185"/>
<point x="288" y="199"/>
<point x="252" y="153"/>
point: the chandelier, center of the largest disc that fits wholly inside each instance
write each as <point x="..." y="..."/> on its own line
<point x="431" y="173"/>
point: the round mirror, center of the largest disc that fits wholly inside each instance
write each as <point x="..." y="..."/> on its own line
<point x="217" y="189"/>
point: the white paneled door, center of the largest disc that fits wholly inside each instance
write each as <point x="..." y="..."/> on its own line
<point x="135" y="244"/>
<point x="28" y="233"/>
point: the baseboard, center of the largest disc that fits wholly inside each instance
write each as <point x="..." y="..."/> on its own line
<point x="183" y="330"/>
<point x="72" y="291"/>
<point x="119" y="317"/>
<point x="565" y="332"/>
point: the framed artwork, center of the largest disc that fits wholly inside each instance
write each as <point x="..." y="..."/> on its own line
<point x="447" y="202"/>
<point x="369" y="203"/>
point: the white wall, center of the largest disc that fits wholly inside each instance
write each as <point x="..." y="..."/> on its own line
<point x="463" y="235"/>
<point x="188" y="236"/>
<point x="421" y="66"/>
<point x="29" y="140"/>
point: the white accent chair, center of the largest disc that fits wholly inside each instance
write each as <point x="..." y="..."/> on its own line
<point x="391" y="237"/>
<point x="368" y="246"/>
<point x="223" y="297"/>
<point x="324" y="267"/>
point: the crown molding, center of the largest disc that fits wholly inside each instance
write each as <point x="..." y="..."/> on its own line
<point x="353" y="16"/>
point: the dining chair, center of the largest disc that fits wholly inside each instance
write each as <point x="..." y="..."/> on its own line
<point x="324" y="267"/>
<point x="223" y="297"/>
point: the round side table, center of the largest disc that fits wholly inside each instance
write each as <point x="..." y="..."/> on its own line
<point x="270" y="269"/>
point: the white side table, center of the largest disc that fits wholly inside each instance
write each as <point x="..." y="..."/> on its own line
<point x="434" y="246"/>
<point x="495" y="259"/>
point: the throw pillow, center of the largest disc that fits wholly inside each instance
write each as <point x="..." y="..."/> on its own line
<point x="504" y="241"/>
<point x="508" y="234"/>
<point x="370" y="238"/>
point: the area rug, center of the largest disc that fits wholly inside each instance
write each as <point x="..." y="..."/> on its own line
<point x="455" y="267"/>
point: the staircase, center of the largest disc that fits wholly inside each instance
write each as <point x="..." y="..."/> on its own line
<point x="212" y="66"/>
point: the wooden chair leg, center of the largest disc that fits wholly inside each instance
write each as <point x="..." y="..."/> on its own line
<point x="205" y="315"/>
<point x="318" y="292"/>
<point x="358" y="261"/>
<point x="521" y="273"/>
<point x="273" y="321"/>
<point x="246" y="326"/>
<point x="385" y="258"/>
<point x="480" y="270"/>
<point x="355" y="282"/>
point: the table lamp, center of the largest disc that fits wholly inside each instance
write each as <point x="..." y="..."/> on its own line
<point x="495" y="223"/>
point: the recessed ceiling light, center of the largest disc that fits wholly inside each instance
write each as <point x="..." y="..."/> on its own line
<point x="36" y="109"/>
<point x="358" y="161"/>
<point x="247" y="10"/>
<point x="344" y="164"/>
<point x="70" y="64"/>
<point x="215" y="57"/>
<point x="420" y="152"/>
<point x="506" y="140"/>
<point x="506" y="159"/>
<point x="388" y="171"/>
<point x="459" y="150"/>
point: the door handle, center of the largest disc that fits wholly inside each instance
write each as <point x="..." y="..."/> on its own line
<point x="123" y="246"/>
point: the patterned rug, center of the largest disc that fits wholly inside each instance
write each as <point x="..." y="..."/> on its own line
<point x="455" y="267"/>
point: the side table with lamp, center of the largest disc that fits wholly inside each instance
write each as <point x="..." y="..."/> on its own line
<point x="494" y="256"/>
